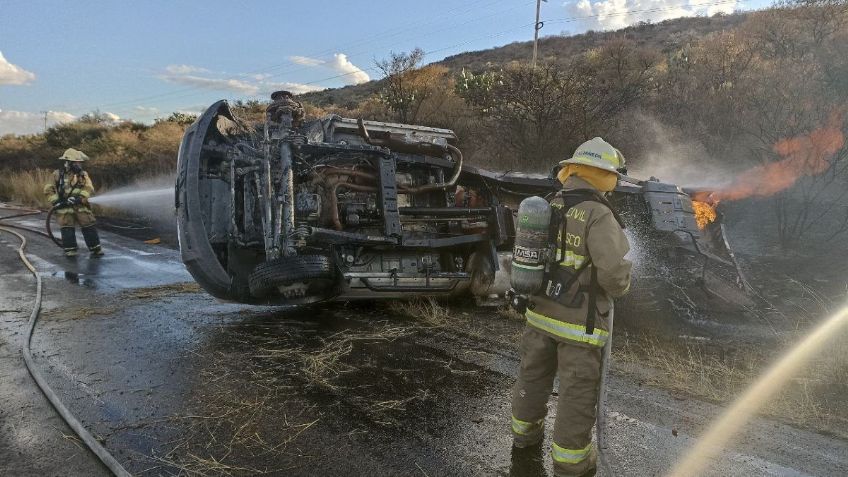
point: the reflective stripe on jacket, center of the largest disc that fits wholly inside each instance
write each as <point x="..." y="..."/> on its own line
<point x="591" y="233"/>
<point x="563" y="329"/>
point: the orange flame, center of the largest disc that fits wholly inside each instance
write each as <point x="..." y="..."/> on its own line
<point x="805" y="155"/>
<point x="705" y="213"/>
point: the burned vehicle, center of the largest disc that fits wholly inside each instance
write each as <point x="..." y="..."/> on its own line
<point x="293" y="212"/>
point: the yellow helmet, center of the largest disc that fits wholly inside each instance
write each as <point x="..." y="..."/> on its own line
<point x="597" y="153"/>
<point x="73" y="155"/>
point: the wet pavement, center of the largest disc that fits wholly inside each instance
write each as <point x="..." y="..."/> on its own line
<point x="176" y="383"/>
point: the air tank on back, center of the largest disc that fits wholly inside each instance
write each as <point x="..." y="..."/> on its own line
<point x="531" y="243"/>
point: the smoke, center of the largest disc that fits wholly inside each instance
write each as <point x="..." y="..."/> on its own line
<point x="802" y="156"/>
<point x="671" y="157"/>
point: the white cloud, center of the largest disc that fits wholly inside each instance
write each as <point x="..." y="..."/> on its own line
<point x="306" y="61"/>
<point x="145" y="114"/>
<point x="727" y="8"/>
<point x="184" y="69"/>
<point x="23" y="122"/>
<point x="111" y="117"/>
<point x="13" y="74"/>
<point x="296" y="88"/>
<point x="220" y="84"/>
<point x="196" y="109"/>
<point x="615" y="14"/>
<point x="352" y="74"/>
<point x="249" y="84"/>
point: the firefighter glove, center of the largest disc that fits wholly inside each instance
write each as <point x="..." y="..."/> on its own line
<point x="516" y="301"/>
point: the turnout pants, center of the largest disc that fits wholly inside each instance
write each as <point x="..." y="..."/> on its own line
<point x="68" y="218"/>
<point x="579" y="370"/>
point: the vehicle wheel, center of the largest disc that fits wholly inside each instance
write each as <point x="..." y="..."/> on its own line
<point x="300" y="278"/>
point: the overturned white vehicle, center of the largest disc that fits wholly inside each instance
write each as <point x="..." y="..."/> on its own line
<point x="294" y="212"/>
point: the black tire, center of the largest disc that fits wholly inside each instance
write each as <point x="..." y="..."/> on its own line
<point x="316" y="271"/>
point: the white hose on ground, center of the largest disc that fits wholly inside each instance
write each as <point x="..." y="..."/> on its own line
<point x="108" y="460"/>
<point x="601" y="418"/>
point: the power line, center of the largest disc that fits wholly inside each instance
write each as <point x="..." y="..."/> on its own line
<point x="194" y="90"/>
<point x="647" y="10"/>
<point x="393" y="33"/>
<point x="433" y="32"/>
<point x="562" y="20"/>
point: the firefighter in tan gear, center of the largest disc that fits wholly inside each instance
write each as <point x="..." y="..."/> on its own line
<point x="69" y="193"/>
<point x="566" y="329"/>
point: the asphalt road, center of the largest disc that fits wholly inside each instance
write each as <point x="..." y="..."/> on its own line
<point x="174" y="382"/>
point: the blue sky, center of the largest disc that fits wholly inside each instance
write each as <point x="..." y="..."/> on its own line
<point x="144" y="59"/>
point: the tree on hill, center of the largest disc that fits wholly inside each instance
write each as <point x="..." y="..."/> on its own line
<point x="179" y="118"/>
<point x="406" y="86"/>
<point x="540" y="114"/>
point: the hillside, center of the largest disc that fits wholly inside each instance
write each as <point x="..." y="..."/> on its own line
<point x="664" y="36"/>
<point x="752" y="102"/>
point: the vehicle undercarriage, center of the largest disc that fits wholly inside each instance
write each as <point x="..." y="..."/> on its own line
<point x="294" y="212"/>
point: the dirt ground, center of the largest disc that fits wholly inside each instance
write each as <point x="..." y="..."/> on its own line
<point x="176" y="383"/>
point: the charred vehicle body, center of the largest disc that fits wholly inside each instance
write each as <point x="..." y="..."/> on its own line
<point x="295" y="212"/>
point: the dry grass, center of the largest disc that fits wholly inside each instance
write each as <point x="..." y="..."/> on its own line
<point x="80" y="311"/>
<point x="814" y="399"/>
<point x="26" y="187"/>
<point x="424" y="309"/>
<point x="239" y="429"/>
<point x="509" y="313"/>
<point x="161" y="290"/>
<point x="249" y="414"/>
<point x="322" y="365"/>
<point x="689" y="369"/>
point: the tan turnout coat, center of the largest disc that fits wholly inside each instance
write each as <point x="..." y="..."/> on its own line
<point x="591" y="231"/>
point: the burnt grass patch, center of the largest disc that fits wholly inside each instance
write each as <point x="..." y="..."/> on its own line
<point x="283" y="392"/>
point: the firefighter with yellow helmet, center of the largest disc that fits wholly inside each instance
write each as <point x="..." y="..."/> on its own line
<point x="69" y="193"/>
<point x="568" y="304"/>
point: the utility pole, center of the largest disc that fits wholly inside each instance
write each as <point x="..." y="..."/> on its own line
<point x="536" y="27"/>
<point x="45" y="119"/>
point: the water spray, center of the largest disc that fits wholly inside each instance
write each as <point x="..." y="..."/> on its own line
<point x="729" y="424"/>
<point x="132" y="196"/>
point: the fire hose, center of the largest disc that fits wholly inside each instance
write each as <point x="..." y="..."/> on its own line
<point x="105" y="457"/>
<point x="47" y="234"/>
<point x="49" y="228"/>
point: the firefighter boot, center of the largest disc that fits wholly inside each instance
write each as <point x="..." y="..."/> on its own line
<point x="527" y="461"/>
<point x="92" y="240"/>
<point x="69" y="241"/>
